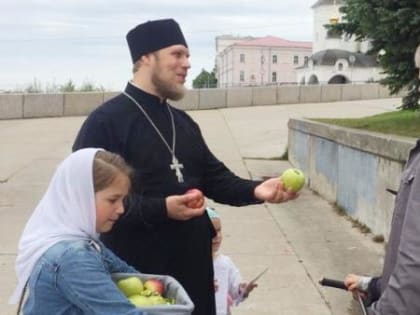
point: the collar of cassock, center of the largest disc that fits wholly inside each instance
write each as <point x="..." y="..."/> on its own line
<point x="144" y="98"/>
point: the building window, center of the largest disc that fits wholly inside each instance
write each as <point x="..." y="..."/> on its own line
<point x="340" y="67"/>
<point x="262" y="59"/>
<point x="274" y="77"/>
<point x="306" y="58"/>
<point x="242" y="76"/>
<point x="275" y="59"/>
<point x="242" y="58"/>
<point x="295" y="60"/>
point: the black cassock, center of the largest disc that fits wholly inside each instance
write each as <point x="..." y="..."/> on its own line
<point x="145" y="237"/>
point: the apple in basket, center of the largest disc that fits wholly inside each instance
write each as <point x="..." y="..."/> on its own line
<point x="130" y="286"/>
<point x="140" y="300"/>
<point x="154" y="285"/>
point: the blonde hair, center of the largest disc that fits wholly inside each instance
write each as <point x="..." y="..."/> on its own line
<point x="106" y="167"/>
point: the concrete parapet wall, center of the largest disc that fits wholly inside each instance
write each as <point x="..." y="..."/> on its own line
<point x="310" y="94"/>
<point x="331" y="93"/>
<point x="288" y="94"/>
<point x="81" y="104"/>
<point x="368" y="92"/>
<point x="189" y="102"/>
<point x="239" y="97"/>
<point x="13" y="106"/>
<point x="264" y="96"/>
<point x="212" y="98"/>
<point x="351" y="168"/>
<point x="351" y="92"/>
<point x="43" y="105"/>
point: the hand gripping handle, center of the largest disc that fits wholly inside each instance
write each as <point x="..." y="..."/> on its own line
<point x="332" y="283"/>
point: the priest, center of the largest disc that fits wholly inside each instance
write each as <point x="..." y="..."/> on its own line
<point x="165" y="230"/>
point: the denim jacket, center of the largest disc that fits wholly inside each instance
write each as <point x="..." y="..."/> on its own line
<point x="74" y="277"/>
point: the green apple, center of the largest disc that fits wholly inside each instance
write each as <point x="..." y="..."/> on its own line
<point x="293" y="179"/>
<point x="140" y="300"/>
<point x="146" y="292"/>
<point x="130" y="286"/>
<point x="157" y="299"/>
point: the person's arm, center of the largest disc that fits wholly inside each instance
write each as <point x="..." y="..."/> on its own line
<point x="144" y="210"/>
<point x="222" y="185"/>
<point x="373" y="290"/>
<point x="218" y="182"/>
<point x="401" y="293"/>
<point x="235" y="281"/>
<point x="369" y="288"/>
<point x="237" y="289"/>
<point x="114" y="263"/>
<point x="86" y="283"/>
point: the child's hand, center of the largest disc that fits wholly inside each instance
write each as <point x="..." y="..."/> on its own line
<point x="358" y="285"/>
<point x="246" y="288"/>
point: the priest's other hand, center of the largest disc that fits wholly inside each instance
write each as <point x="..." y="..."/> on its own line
<point x="273" y="191"/>
<point x="179" y="207"/>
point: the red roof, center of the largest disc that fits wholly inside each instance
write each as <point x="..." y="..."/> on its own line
<point x="272" y="41"/>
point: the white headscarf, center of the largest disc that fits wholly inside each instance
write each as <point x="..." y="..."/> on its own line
<point x="67" y="211"/>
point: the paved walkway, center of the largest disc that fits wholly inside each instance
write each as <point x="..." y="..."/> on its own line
<point x="299" y="241"/>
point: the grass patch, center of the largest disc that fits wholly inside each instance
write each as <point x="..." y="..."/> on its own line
<point x="285" y="156"/>
<point x="360" y="226"/>
<point x="354" y="222"/>
<point x="340" y="211"/>
<point x="403" y="123"/>
<point x="378" y="238"/>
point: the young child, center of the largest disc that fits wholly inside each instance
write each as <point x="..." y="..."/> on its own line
<point x="228" y="282"/>
<point x="61" y="262"/>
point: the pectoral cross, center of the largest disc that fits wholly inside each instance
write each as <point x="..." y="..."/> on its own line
<point x="177" y="167"/>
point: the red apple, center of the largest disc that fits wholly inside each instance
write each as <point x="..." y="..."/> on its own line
<point x="198" y="201"/>
<point x="155" y="286"/>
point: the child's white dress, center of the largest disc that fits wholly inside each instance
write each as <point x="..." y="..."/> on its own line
<point x="228" y="281"/>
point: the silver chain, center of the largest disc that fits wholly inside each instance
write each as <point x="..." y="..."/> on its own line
<point x="172" y="150"/>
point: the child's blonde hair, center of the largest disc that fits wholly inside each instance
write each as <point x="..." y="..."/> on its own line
<point x="106" y="167"/>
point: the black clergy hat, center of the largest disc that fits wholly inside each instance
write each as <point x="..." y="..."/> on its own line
<point x="152" y="36"/>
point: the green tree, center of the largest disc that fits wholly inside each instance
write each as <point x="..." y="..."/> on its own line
<point x="34" y="87"/>
<point x="205" y="80"/>
<point x="68" y="87"/>
<point x="393" y="28"/>
<point x="90" y="87"/>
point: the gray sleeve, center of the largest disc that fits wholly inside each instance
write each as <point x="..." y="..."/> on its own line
<point x="401" y="295"/>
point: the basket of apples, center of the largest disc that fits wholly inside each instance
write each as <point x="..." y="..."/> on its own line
<point x="154" y="294"/>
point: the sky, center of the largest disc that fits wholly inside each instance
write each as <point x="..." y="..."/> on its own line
<point x="54" y="41"/>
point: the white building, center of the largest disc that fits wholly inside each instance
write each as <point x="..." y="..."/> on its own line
<point x="336" y="59"/>
<point x="248" y="61"/>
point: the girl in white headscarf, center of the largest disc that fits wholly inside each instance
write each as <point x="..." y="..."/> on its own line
<point x="60" y="260"/>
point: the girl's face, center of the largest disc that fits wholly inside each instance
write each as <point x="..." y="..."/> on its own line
<point x="217" y="240"/>
<point x="109" y="203"/>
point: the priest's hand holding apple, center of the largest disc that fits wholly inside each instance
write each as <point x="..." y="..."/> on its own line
<point x="285" y="188"/>
<point x="293" y="179"/>
<point x="186" y="206"/>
